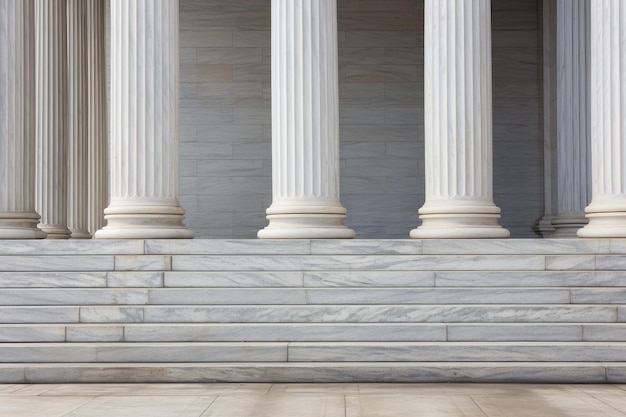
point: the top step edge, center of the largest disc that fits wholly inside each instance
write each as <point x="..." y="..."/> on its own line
<point x="385" y="247"/>
<point x="315" y="247"/>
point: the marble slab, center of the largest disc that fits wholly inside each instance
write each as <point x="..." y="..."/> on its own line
<point x="366" y="247"/>
<point x="12" y="374"/>
<point x="610" y="262"/>
<point x="25" y="297"/>
<point x="369" y="279"/>
<point x="47" y="352"/>
<point x="191" y="352"/>
<point x="352" y="262"/>
<point x="134" y="279"/>
<point x="143" y="263"/>
<point x="52" y="279"/>
<point x="367" y="314"/>
<point x="39" y="314"/>
<point x="32" y="333"/>
<point x="228" y="247"/>
<point x="438" y="296"/>
<point x="598" y="295"/>
<point x="616" y="373"/>
<point x="618" y="246"/>
<point x="111" y="314"/>
<point x="59" y="263"/>
<point x="263" y="332"/>
<point x="530" y="279"/>
<point x="204" y="296"/>
<point x="457" y="352"/>
<point x="514" y="332"/>
<point x="515" y="246"/>
<point x="570" y="262"/>
<point x="614" y="332"/>
<point x="233" y="279"/>
<point x="528" y="372"/>
<point x="95" y="333"/>
<point x="75" y="247"/>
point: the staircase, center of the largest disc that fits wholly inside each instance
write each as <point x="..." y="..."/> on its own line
<point x="313" y="311"/>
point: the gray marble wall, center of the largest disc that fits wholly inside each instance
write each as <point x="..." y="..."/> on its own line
<point x="225" y="182"/>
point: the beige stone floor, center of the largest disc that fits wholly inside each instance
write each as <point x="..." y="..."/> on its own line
<point x="315" y="400"/>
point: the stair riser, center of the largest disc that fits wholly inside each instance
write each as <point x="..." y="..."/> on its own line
<point x="306" y="352"/>
<point x="314" y="373"/>
<point x="259" y="332"/>
<point x="87" y="263"/>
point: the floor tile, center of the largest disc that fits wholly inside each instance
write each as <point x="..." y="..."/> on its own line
<point x="161" y="406"/>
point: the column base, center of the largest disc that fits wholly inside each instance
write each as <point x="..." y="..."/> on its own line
<point x="144" y="222"/>
<point x="288" y="221"/>
<point x="80" y="234"/>
<point x="544" y="227"/>
<point x="55" y="231"/>
<point x="567" y="226"/>
<point x="20" y="225"/>
<point x="456" y="219"/>
<point x="607" y="219"/>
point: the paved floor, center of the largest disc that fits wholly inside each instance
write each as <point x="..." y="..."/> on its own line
<point x="304" y="400"/>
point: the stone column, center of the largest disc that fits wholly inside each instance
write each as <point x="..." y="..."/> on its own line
<point x="77" y="173"/>
<point x="96" y="120"/>
<point x="458" y="122"/>
<point x="144" y="122"/>
<point x="305" y="124"/>
<point x="51" y="184"/>
<point x="573" y="130"/>
<point x="18" y="219"/>
<point x="607" y="210"/>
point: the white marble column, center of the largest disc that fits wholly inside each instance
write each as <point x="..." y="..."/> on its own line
<point x="18" y="219"/>
<point x="51" y="62"/>
<point x="573" y="129"/>
<point x="305" y="124"/>
<point x="607" y="210"/>
<point x="96" y="119"/>
<point x="144" y="122"/>
<point x="458" y="122"/>
<point x="77" y="158"/>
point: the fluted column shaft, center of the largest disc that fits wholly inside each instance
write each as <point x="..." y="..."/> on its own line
<point x="77" y="171"/>
<point x="51" y="184"/>
<point x="607" y="210"/>
<point x="573" y="129"/>
<point x="96" y="119"/>
<point x="458" y="122"/>
<point x="18" y="219"/>
<point x="144" y="122"/>
<point x="305" y="124"/>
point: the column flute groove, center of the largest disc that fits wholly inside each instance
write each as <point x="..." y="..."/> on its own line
<point x="305" y="123"/>
<point x="144" y="123"/>
<point x="77" y="189"/>
<point x="458" y="122"/>
<point x="96" y="120"/>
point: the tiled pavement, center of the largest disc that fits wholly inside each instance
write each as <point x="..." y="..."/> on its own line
<point x="318" y="400"/>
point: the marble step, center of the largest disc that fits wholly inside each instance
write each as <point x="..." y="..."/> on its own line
<point x="339" y="314"/>
<point x="311" y="279"/>
<point x="308" y="332"/>
<point x="314" y="352"/>
<point x="558" y="313"/>
<point x="316" y="247"/>
<point x="242" y="296"/>
<point x="340" y="262"/>
<point x="320" y="372"/>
